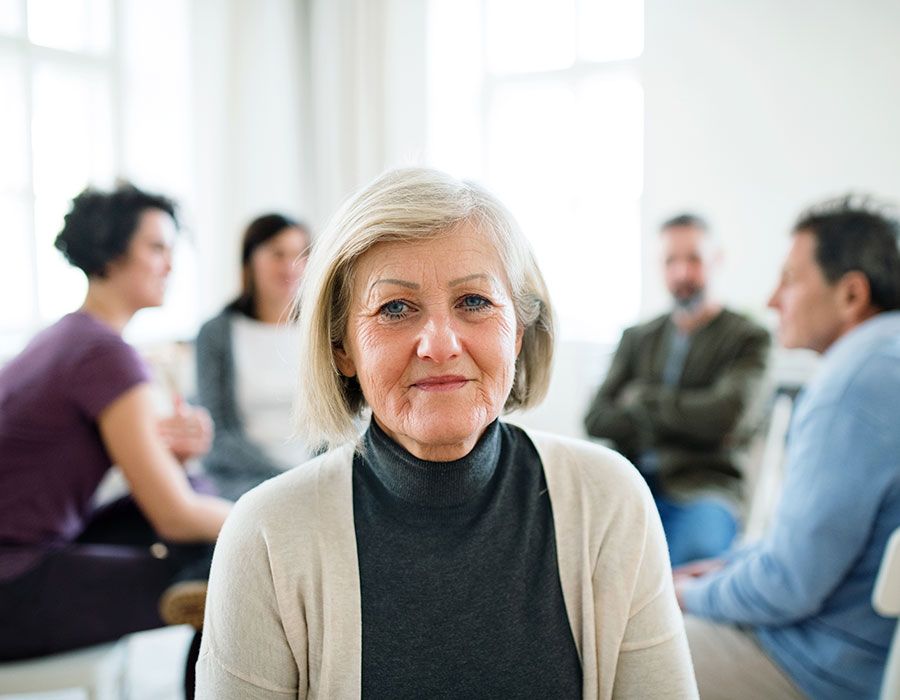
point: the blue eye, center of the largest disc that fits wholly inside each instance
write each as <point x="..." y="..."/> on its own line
<point x="473" y="302"/>
<point x="395" y="309"/>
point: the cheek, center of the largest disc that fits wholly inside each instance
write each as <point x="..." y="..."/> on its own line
<point x="379" y="356"/>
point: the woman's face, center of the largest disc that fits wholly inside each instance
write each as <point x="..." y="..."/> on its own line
<point x="277" y="267"/>
<point x="140" y="274"/>
<point x="433" y="339"/>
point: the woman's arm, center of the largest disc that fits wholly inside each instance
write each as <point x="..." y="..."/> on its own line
<point x="128" y="428"/>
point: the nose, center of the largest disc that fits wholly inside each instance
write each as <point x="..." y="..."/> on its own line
<point x="774" y="300"/>
<point x="438" y="340"/>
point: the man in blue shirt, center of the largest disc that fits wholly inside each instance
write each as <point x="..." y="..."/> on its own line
<point x="791" y="615"/>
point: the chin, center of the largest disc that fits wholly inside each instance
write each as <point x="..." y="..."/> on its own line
<point x="441" y="431"/>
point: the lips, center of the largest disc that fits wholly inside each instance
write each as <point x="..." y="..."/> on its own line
<point x="447" y="382"/>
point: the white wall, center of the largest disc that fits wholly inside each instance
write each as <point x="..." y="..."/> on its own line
<point x="757" y="109"/>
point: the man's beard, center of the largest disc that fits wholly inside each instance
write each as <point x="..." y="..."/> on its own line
<point x="691" y="302"/>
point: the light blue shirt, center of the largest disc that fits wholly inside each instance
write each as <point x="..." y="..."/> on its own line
<point x="806" y="588"/>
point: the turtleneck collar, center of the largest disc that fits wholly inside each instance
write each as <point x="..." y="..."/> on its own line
<point x="434" y="484"/>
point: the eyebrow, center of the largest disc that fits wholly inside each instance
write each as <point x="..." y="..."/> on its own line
<point x="480" y="275"/>
<point x="402" y="283"/>
<point x="413" y="285"/>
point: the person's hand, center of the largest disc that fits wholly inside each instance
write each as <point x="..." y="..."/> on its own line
<point x="684" y="576"/>
<point x="631" y="395"/>
<point x="188" y="432"/>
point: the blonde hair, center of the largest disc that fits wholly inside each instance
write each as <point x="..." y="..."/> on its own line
<point x="410" y="204"/>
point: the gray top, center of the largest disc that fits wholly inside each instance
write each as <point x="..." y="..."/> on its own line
<point x="234" y="463"/>
<point x="460" y="589"/>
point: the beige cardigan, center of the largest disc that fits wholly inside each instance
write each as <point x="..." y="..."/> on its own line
<point x="283" y="610"/>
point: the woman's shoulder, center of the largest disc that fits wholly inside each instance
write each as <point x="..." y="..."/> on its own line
<point x="218" y="324"/>
<point x="580" y="472"/>
<point x="305" y="497"/>
<point x="586" y="460"/>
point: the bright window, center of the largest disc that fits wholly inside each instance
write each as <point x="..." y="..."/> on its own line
<point x="541" y="100"/>
<point x="94" y="91"/>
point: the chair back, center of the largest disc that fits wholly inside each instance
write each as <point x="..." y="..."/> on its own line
<point x="886" y="601"/>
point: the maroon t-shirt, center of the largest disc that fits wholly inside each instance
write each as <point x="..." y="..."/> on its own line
<point x="51" y="454"/>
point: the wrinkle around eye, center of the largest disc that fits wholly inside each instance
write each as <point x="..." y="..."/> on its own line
<point x="484" y="305"/>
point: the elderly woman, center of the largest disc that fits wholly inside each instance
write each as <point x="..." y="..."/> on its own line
<point x="444" y="554"/>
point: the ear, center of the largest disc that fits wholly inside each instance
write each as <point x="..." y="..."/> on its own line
<point x="855" y="295"/>
<point x="344" y="362"/>
<point x="519" y="333"/>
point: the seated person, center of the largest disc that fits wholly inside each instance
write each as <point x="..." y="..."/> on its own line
<point x="445" y="553"/>
<point x="791" y="615"/>
<point x="247" y="361"/>
<point x="75" y="401"/>
<point x="676" y="391"/>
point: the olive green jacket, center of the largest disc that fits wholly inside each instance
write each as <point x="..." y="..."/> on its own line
<point x="697" y="427"/>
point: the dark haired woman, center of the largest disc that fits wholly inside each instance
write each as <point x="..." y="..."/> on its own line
<point x="74" y="402"/>
<point x="246" y="361"/>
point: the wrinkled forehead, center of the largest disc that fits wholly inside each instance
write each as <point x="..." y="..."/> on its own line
<point x="464" y="243"/>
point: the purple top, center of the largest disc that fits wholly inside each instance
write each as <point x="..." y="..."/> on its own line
<point x="51" y="454"/>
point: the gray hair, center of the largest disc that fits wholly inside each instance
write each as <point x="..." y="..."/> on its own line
<point x="410" y="204"/>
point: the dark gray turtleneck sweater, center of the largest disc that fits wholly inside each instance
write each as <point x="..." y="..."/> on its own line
<point x="458" y="574"/>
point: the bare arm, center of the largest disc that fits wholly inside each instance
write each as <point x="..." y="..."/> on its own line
<point x="128" y="427"/>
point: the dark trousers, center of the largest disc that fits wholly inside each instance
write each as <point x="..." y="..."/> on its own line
<point x="97" y="589"/>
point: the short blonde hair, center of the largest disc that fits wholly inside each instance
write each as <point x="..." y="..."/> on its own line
<point x="410" y="204"/>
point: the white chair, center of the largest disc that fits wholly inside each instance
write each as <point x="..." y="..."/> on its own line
<point x="769" y="475"/>
<point x="100" y="671"/>
<point x="886" y="601"/>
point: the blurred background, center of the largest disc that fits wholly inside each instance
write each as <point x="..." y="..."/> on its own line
<point x="592" y="119"/>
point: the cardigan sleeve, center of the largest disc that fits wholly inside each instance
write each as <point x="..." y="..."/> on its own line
<point x="245" y="652"/>
<point x="654" y="660"/>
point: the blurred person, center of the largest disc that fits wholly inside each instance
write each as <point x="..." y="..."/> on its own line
<point x="74" y="402"/>
<point x="445" y="553"/>
<point x="791" y="616"/>
<point x="247" y="370"/>
<point x="675" y="396"/>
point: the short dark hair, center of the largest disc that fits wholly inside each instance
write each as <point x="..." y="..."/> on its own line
<point x="856" y="233"/>
<point x="260" y="230"/>
<point x="685" y="219"/>
<point x="100" y="225"/>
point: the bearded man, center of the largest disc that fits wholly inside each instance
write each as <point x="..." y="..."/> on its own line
<point x="676" y="395"/>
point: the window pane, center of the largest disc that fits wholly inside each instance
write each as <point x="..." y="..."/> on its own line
<point x="610" y="30"/>
<point x="72" y="136"/>
<point x="16" y="267"/>
<point x="455" y="80"/>
<point x="530" y="35"/>
<point x="576" y="194"/>
<point x="61" y="287"/>
<point x="611" y="135"/>
<point x="156" y="95"/>
<point x="13" y="124"/>
<point x="11" y="17"/>
<point x="71" y="130"/>
<point x="73" y="25"/>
